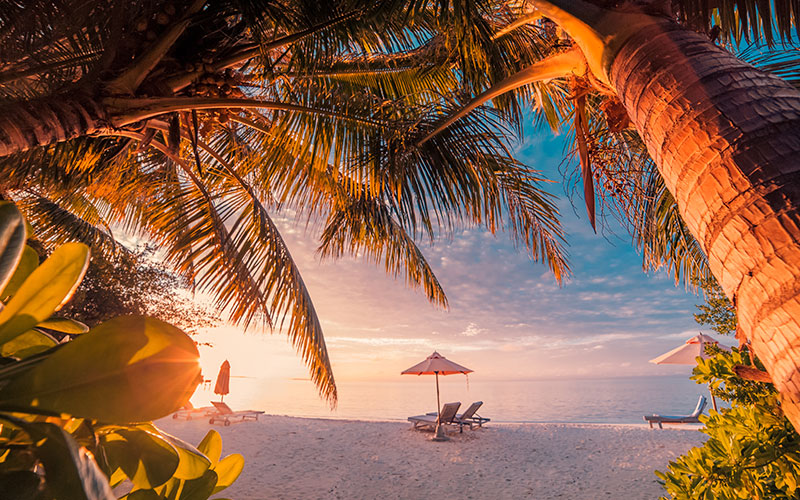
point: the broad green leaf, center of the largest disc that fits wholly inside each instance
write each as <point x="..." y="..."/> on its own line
<point x="117" y="477"/>
<point x="47" y="288"/>
<point x="128" y="369"/>
<point x="228" y="469"/>
<point x="142" y="495"/>
<point x="147" y="459"/>
<point x="70" y="470"/>
<point x="12" y="240"/>
<point x="193" y="463"/>
<point x="29" y="343"/>
<point x="27" y="263"/>
<point x="170" y="489"/>
<point x="200" y="488"/>
<point x="211" y="446"/>
<point x="64" y="325"/>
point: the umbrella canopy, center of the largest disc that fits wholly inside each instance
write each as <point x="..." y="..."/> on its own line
<point x="685" y="354"/>
<point x="436" y="364"/>
<point x="222" y="387"/>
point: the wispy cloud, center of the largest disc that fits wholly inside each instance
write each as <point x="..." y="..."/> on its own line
<point x="472" y="330"/>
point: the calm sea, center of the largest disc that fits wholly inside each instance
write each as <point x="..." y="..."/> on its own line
<point x="612" y="400"/>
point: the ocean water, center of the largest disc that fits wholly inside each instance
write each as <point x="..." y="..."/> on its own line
<point x="609" y="400"/>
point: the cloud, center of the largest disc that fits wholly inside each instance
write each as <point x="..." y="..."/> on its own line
<point x="473" y="330"/>
<point x="376" y="341"/>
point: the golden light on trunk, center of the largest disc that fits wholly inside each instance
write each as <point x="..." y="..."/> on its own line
<point x="726" y="138"/>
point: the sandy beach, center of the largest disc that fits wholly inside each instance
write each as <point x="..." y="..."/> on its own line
<point x="305" y="458"/>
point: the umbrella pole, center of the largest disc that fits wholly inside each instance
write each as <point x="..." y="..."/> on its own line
<point x="438" y="404"/>
<point x="440" y="434"/>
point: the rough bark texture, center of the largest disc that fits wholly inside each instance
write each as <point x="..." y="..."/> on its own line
<point x="726" y="138"/>
<point x="27" y="124"/>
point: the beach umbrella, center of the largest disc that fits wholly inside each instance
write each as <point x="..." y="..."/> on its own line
<point x="222" y="387"/>
<point x="436" y="364"/>
<point x="687" y="353"/>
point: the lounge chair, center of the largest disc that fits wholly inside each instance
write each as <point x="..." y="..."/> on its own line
<point x="470" y="417"/>
<point x="189" y="412"/>
<point x="680" y="419"/>
<point x="447" y="417"/>
<point x="227" y="416"/>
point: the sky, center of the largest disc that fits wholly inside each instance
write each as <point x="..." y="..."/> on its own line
<point x="508" y="318"/>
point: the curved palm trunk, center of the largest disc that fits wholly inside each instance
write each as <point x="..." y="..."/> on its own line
<point x="27" y="124"/>
<point x="726" y="139"/>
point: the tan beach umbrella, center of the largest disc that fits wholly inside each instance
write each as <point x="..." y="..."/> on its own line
<point x="222" y="387"/>
<point x="687" y="353"/>
<point x="436" y="364"/>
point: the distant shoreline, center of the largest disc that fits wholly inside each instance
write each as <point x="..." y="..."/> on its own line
<point x="494" y="422"/>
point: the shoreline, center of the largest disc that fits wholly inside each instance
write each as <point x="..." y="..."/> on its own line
<point x="301" y="458"/>
<point x="667" y="426"/>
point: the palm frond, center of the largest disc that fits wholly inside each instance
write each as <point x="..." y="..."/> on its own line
<point x="748" y="19"/>
<point x="366" y="227"/>
<point x="73" y="218"/>
<point x="664" y="239"/>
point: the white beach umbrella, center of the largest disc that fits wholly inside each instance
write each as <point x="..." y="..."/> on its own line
<point x="687" y="353"/>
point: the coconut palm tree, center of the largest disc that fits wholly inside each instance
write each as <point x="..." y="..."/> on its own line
<point x="192" y="122"/>
<point x="724" y="136"/>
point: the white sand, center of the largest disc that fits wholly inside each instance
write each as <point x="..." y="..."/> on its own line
<point x="303" y="458"/>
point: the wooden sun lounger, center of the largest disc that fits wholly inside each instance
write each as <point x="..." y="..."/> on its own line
<point x="470" y="417"/>
<point x="692" y="418"/>
<point x="448" y="416"/>
<point x="227" y="416"/>
<point x="189" y="412"/>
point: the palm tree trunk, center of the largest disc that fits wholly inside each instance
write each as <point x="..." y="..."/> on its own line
<point x="726" y="138"/>
<point x="27" y="124"/>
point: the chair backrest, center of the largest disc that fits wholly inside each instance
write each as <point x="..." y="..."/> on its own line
<point x="221" y="407"/>
<point x="448" y="412"/>
<point x="701" y="404"/>
<point x="470" y="412"/>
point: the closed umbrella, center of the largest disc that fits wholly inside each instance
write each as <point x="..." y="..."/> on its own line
<point x="687" y="353"/>
<point x="222" y="387"/>
<point x="436" y="364"/>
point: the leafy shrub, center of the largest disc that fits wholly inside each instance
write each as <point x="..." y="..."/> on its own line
<point x="75" y="402"/>
<point x="134" y="282"/>
<point x="752" y="451"/>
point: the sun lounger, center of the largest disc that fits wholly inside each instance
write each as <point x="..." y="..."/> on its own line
<point x="189" y="412"/>
<point x="680" y="419"/>
<point x="448" y="416"/>
<point x="471" y="417"/>
<point x="227" y="416"/>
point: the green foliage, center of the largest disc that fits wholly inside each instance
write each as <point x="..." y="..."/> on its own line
<point x="717" y="312"/>
<point x="134" y="282"/>
<point x="67" y="406"/>
<point x="717" y="373"/>
<point x="752" y="451"/>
